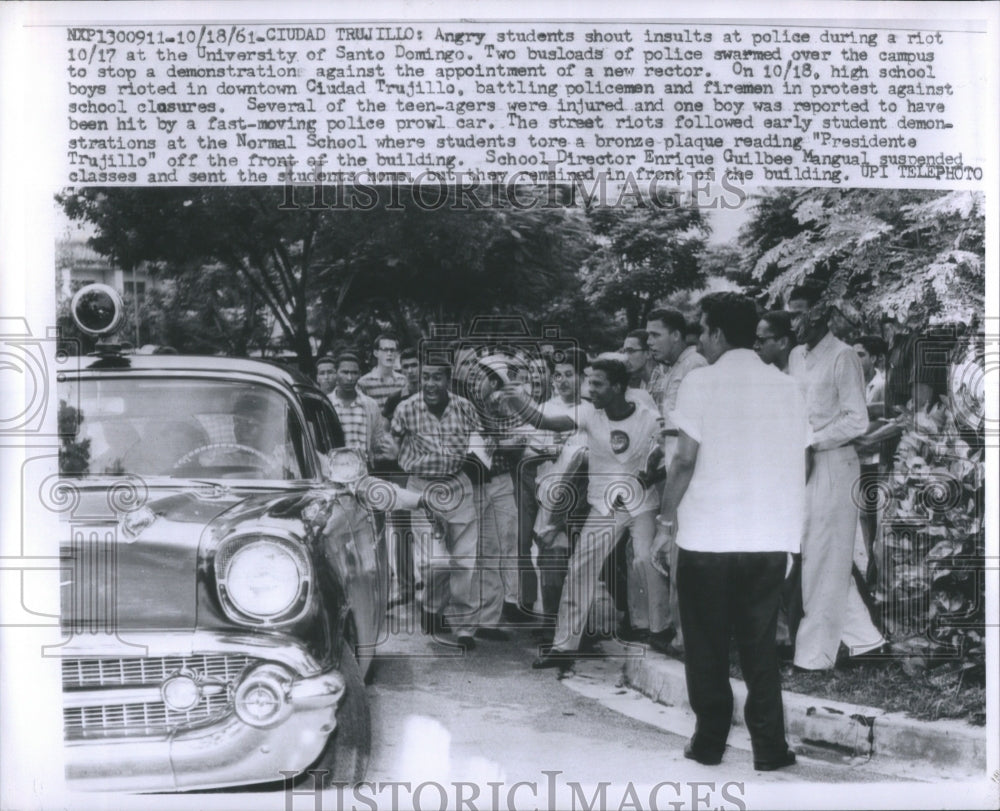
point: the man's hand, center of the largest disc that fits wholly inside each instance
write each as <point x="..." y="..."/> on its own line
<point x="515" y="396"/>
<point x="386" y="447"/>
<point x="663" y="544"/>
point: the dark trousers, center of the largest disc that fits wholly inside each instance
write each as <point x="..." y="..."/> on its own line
<point x="723" y="595"/>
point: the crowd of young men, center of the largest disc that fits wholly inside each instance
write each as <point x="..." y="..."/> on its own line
<point x="730" y="462"/>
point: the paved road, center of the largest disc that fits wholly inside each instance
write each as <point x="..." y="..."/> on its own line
<point x="486" y="717"/>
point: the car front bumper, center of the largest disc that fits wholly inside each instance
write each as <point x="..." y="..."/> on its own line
<point x="223" y="751"/>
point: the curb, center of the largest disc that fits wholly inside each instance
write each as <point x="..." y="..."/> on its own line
<point x="851" y="729"/>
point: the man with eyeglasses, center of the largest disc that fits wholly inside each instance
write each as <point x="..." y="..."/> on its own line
<point x="774" y="342"/>
<point x="643" y="371"/>
<point x="775" y="338"/>
<point x="383" y="380"/>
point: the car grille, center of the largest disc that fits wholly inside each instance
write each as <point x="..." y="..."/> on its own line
<point x="100" y="693"/>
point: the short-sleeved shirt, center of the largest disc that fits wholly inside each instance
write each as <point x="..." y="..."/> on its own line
<point x="379" y="388"/>
<point x="688" y="360"/>
<point x="618" y="450"/>
<point x="361" y="420"/>
<point x="747" y="491"/>
<point x="431" y="446"/>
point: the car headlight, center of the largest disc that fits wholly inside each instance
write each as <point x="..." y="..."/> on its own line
<point x="263" y="579"/>
<point x="345" y="466"/>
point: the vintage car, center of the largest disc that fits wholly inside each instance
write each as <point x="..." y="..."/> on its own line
<point x="225" y="582"/>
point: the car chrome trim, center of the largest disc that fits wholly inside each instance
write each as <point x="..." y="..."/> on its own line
<point x="254" y="645"/>
<point x="75" y="699"/>
<point x="295" y="546"/>
<point x="221" y="754"/>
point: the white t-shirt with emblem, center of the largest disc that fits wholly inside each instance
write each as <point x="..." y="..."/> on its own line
<point x="618" y="452"/>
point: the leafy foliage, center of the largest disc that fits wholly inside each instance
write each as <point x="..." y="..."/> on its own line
<point x="323" y="274"/>
<point x="644" y="254"/>
<point x="933" y="542"/>
<point x="912" y="254"/>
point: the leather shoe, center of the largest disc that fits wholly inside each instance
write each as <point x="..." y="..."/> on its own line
<point x="494" y="634"/>
<point x="466" y="643"/>
<point x="882" y="655"/>
<point x="770" y="765"/>
<point x="554" y="658"/>
<point x="704" y="760"/>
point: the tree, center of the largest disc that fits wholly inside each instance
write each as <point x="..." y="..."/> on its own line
<point x="324" y="272"/>
<point x="644" y="254"/>
<point x="773" y="220"/>
<point x="908" y="253"/>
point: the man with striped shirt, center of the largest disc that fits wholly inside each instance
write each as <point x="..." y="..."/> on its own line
<point x="359" y="414"/>
<point x="383" y="380"/>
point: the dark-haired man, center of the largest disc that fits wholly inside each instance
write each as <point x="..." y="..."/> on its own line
<point x="692" y="333"/>
<point x="358" y="413"/>
<point x="733" y="504"/>
<point x="774" y="342"/>
<point x="326" y="373"/>
<point x="666" y="329"/>
<point x="383" y="380"/>
<point x="775" y="338"/>
<point x="554" y="539"/>
<point x="829" y="374"/>
<point x="409" y="366"/>
<point x="433" y="432"/>
<point x="641" y="366"/>
<point x="620" y="434"/>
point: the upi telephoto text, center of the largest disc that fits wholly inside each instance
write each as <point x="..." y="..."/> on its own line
<point x="833" y="103"/>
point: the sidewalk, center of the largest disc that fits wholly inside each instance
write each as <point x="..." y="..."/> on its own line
<point x="851" y="729"/>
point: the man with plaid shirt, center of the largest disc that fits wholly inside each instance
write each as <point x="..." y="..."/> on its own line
<point x="359" y="414"/>
<point x="383" y="381"/>
<point x="499" y="558"/>
<point x="433" y="432"/>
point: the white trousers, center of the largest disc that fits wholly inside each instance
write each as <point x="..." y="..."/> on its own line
<point x="832" y="608"/>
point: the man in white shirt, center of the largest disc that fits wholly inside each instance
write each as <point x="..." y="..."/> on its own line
<point x="620" y="434"/>
<point x="733" y="504"/>
<point x="829" y="374"/>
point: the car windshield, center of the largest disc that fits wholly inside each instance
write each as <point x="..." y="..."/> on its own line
<point x="192" y="428"/>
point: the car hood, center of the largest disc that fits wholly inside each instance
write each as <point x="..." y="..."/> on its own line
<point x="131" y="559"/>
